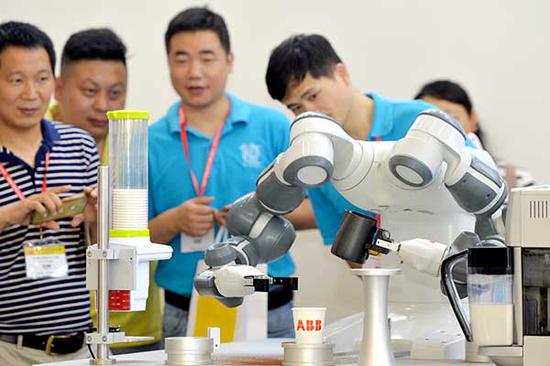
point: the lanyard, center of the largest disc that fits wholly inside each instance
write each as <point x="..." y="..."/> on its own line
<point x="209" y="163"/>
<point x="14" y="186"/>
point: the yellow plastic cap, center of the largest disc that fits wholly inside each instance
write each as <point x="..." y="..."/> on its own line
<point x="124" y="114"/>
<point x="129" y="233"/>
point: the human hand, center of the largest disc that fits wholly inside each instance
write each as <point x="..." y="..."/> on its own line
<point x="45" y="204"/>
<point x="219" y="216"/>
<point x="195" y="217"/>
<point x="89" y="214"/>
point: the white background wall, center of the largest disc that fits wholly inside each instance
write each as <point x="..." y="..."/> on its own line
<point x="498" y="49"/>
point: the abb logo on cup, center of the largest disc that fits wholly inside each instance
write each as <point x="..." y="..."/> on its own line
<point x="310" y="325"/>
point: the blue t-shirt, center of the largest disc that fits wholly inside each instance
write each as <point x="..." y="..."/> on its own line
<point x="252" y="137"/>
<point x="391" y="122"/>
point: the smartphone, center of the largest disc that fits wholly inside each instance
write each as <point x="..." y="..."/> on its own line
<point x="72" y="206"/>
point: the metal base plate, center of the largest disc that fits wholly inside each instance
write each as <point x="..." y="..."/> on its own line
<point x="298" y="354"/>
<point x="375" y="271"/>
<point x="504" y="356"/>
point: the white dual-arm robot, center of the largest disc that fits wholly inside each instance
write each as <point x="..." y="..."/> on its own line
<point x="430" y="173"/>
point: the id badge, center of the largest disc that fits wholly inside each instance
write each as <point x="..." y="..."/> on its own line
<point x="45" y="259"/>
<point x="191" y="244"/>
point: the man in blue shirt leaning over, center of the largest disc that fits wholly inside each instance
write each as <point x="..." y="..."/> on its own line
<point x="306" y="74"/>
<point x="206" y="152"/>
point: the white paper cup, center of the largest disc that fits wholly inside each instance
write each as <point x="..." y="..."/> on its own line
<point x="309" y="324"/>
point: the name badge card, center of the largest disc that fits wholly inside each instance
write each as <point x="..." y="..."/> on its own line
<point x="45" y="259"/>
<point x="191" y="244"/>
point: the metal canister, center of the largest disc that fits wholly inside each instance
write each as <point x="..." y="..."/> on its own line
<point x="189" y="351"/>
<point x="298" y="354"/>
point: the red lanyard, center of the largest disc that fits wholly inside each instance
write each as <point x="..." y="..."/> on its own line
<point x="14" y="186"/>
<point x="209" y="163"/>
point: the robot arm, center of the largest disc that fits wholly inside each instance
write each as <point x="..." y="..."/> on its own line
<point x="434" y="139"/>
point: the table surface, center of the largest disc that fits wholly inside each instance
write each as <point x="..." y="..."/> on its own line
<point x="268" y="353"/>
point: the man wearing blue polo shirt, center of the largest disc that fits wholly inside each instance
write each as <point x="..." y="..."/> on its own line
<point x="306" y="74"/>
<point x="206" y="152"/>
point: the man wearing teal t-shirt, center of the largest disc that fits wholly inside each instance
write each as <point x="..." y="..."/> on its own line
<point x="206" y="152"/>
<point x="307" y="75"/>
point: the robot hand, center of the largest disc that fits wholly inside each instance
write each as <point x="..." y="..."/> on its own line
<point x="359" y="236"/>
<point x="229" y="281"/>
<point x="229" y="284"/>
<point x="221" y="258"/>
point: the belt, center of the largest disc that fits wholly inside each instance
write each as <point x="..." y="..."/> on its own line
<point x="277" y="297"/>
<point x="180" y="301"/>
<point x="60" y="344"/>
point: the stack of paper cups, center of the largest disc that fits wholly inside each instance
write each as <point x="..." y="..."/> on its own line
<point x="129" y="209"/>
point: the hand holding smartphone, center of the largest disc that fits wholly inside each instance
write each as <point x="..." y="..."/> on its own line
<point x="72" y="206"/>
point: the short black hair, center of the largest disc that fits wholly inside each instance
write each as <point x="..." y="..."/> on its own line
<point x="19" y="34"/>
<point x="294" y="58"/>
<point x="93" y="44"/>
<point x="446" y="90"/>
<point x="198" y="19"/>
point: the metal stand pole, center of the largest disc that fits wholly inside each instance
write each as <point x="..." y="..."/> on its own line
<point x="102" y="357"/>
<point x="376" y="348"/>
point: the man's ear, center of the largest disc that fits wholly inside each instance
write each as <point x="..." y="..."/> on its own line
<point x="58" y="93"/>
<point x="340" y="71"/>
<point x="230" y="59"/>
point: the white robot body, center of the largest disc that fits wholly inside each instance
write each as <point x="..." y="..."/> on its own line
<point x="426" y="185"/>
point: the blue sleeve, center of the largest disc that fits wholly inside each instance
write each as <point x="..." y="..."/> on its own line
<point x="150" y="207"/>
<point x="282" y="137"/>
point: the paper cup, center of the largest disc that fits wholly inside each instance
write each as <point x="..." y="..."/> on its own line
<point x="309" y="324"/>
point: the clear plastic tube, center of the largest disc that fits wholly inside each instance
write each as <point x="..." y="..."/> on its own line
<point x="129" y="169"/>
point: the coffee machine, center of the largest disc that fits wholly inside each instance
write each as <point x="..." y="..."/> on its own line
<point x="528" y="240"/>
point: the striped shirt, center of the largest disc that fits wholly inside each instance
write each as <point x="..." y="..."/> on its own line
<point x="50" y="305"/>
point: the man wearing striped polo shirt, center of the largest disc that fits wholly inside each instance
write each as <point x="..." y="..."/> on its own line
<point x="92" y="81"/>
<point x="44" y="304"/>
